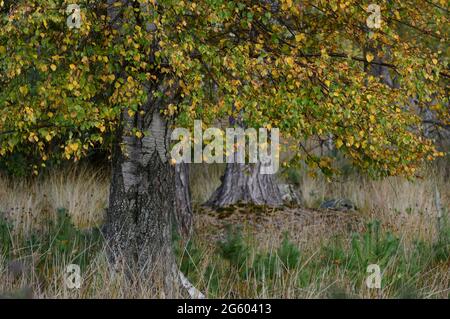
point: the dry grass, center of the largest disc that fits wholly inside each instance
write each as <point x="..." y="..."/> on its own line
<point x="405" y="208"/>
<point x="408" y="207"/>
<point x="80" y="190"/>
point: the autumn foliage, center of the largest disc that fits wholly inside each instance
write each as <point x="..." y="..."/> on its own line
<point x="301" y="66"/>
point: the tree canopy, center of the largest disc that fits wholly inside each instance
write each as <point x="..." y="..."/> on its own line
<point x="301" y="66"/>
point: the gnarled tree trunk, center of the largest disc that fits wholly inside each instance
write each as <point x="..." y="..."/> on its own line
<point x="243" y="183"/>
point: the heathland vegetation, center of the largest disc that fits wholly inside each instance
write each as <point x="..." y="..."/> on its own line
<point x="357" y="91"/>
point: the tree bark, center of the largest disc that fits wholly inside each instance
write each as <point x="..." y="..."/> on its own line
<point x="142" y="195"/>
<point x="146" y="191"/>
<point x="142" y="201"/>
<point x="243" y="183"/>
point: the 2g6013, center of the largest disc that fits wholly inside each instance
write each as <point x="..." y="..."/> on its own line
<point x="246" y="308"/>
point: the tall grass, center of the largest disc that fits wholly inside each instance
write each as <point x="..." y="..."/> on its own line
<point x="49" y="222"/>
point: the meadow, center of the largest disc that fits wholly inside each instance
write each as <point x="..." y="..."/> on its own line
<point x="54" y="220"/>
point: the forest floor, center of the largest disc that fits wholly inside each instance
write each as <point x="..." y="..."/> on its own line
<point x="256" y="221"/>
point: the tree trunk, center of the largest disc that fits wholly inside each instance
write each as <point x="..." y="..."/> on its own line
<point x="142" y="201"/>
<point x="243" y="183"/>
<point x="146" y="190"/>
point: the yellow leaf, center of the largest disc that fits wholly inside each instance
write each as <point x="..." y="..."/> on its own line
<point x="2" y="49"/>
<point x="72" y="67"/>
<point x="324" y="163"/>
<point x="350" y="141"/>
<point x="435" y="61"/>
<point x="290" y="61"/>
<point x="369" y="57"/>
<point x="53" y="67"/>
<point x="73" y="147"/>
<point x="23" y="90"/>
<point x="300" y="37"/>
<point x="139" y="134"/>
<point x="339" y="143"/>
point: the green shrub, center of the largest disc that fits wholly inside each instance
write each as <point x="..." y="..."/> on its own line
<point x="288" y="253"/>
<point x="265" y="266"/>
<point x="372" y="247"/>
<point x="234" y="248"/>
<point x="60" y="242"/>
